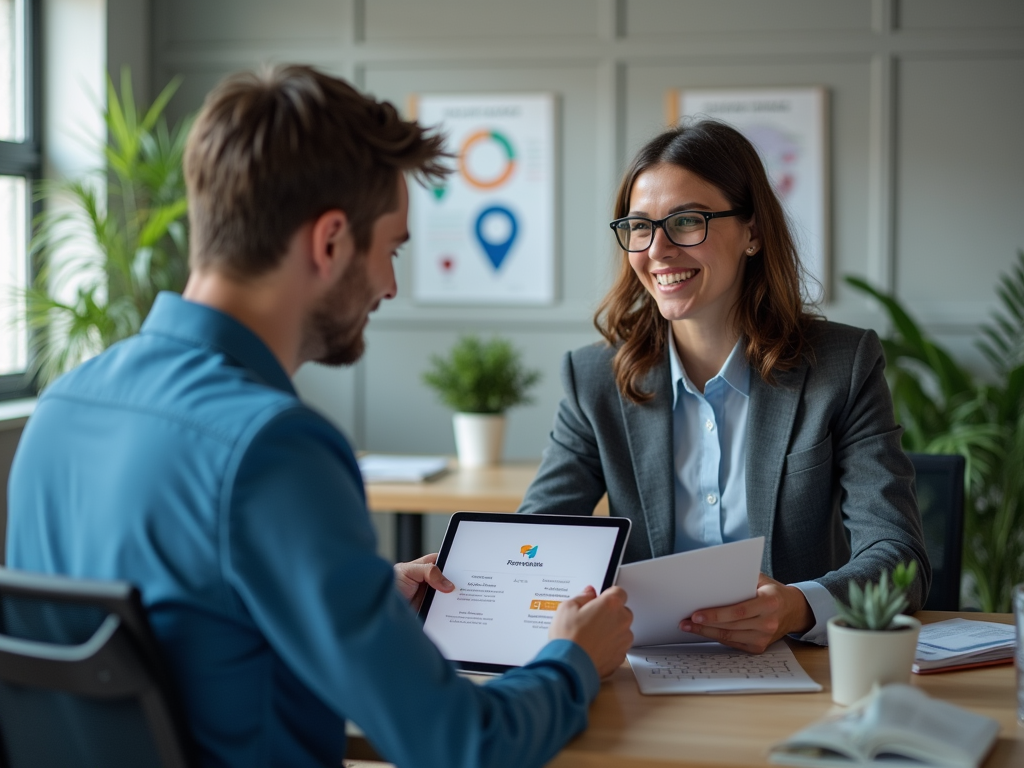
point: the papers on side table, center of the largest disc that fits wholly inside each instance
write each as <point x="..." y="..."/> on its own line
<point x="714" y="668"/>
<point x="382" y="468"/>
<point x="960" y="643"/>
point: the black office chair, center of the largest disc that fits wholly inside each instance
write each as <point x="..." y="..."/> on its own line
<point x="940" y="497"/>
<point x="81" y="680"/>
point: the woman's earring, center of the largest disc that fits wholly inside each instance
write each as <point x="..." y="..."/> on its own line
<point x="750" y="251"/>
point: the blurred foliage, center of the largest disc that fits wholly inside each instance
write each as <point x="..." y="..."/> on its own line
<point x="481" y="377"/>
<point x="944" y="408"/>
<point x="108" y="242"/>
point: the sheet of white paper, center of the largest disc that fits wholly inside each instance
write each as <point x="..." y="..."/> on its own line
<point x="664" y="591"/>
<point x="714" y="668"/>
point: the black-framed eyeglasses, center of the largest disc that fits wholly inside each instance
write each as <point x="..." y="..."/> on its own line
<point x="684" y="228"/>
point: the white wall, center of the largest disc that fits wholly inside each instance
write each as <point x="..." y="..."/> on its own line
<point x="927" y="169"/>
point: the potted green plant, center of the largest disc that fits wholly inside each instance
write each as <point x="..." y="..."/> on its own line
<point x="480" y="381"/>
<point x="110" y="240"/>
<point x="870" y="640"/>
<point x="945" y="408"/>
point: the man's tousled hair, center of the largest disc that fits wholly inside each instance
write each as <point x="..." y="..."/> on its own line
<point x="275" y="149"/>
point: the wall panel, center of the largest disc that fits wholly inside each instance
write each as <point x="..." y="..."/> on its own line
<point x="958" y="15"/>
<point x="197" y="23"/>
<point x="690" y="18"/>
<point x="401" y="20"/>
<point x="960" y="180"/>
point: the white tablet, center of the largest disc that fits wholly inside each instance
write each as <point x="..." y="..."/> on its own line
<point x="511" y="572"/>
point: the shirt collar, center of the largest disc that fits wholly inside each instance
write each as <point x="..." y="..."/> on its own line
<point x="735" y="371"/>
<point x="203" y="326"/>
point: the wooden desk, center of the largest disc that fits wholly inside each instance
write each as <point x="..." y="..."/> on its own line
<point x="488" y="489"/>
<point x="628" y="729"/>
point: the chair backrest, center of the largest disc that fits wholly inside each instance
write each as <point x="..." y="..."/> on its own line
<point x="81" y="680"/>
<point x="940" y="497"/>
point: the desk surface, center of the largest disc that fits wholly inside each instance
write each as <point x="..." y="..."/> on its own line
<point x="488" y="489"/>
<point x="701" y="731"/>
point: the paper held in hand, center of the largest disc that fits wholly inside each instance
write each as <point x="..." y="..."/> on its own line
<point x="894" y="725"/>
<point x="663" y="591"/>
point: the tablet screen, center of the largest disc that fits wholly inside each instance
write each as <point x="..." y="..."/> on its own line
<point x="511" y="573"/>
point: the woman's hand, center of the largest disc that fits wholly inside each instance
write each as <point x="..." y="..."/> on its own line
<point x="412" y="579"/>
<point x="776" y="611"/>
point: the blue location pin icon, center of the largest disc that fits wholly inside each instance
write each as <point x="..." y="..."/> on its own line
<point x="496" y="229"/>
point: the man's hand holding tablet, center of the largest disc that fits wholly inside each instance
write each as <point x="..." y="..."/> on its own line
<point x="599" y="624"/>
<point x="521" y="581"/>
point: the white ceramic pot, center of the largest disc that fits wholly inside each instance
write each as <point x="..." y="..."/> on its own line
<point x="859" y="658"/>
<point x="479" y="438"/>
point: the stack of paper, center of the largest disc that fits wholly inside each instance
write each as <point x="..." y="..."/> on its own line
<point x="379" y="468"/>
<point x="960" y="643"/>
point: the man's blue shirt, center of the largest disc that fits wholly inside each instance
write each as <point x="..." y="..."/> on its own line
<point x="183" y="461"/>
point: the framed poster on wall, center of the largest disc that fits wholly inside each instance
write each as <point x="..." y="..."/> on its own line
<point x="788" y="126"/>
<point x="487" y="235"/>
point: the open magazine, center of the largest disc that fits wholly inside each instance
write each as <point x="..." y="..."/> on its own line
<point x="893" y="723"/>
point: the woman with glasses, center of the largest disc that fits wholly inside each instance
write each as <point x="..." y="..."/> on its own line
<point x="721" y="407"/>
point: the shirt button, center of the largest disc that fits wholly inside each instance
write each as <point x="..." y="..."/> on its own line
<point x="710" y="425"/>
<point x="712" y="498"/>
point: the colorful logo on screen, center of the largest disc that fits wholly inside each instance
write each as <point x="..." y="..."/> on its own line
<point x="528" y="551"/>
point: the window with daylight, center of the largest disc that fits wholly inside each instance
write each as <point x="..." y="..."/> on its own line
<point x="19" y="167"/>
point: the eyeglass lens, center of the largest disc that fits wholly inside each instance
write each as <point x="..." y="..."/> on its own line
<point x="682" y="229"/>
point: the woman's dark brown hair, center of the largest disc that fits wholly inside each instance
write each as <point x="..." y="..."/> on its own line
<point x="770" y="314"/>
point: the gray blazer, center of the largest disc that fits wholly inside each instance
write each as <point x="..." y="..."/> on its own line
<point x="828" y="485"/>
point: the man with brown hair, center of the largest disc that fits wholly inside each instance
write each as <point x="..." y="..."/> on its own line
<point x="183" y="461"/>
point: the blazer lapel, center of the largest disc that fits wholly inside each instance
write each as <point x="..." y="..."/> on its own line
<point x="649" y="433"/>
<point x="770" y="420"/>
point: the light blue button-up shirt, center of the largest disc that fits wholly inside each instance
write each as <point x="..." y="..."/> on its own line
<point x="183" y="461"/>
<point x="709" y="444"/>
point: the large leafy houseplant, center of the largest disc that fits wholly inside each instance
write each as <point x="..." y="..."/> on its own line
<point x="108" y="242"/>
<point x="945" y="408"/>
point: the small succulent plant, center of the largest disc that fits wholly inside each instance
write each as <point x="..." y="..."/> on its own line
<point x="876" y="605"/>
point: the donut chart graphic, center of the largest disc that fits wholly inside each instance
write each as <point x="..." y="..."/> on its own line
<point x="510" y="159"/>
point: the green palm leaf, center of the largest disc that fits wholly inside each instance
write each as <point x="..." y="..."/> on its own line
<point x="945" y="409"/>
<point x="118" y="237"/>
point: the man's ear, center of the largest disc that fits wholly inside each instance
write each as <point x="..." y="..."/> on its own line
<point x="332" y="244"/>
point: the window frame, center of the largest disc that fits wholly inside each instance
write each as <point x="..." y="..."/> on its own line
<point x="25" y="159"/>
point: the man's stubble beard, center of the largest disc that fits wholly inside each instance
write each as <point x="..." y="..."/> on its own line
<point x="333" y="333"/>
